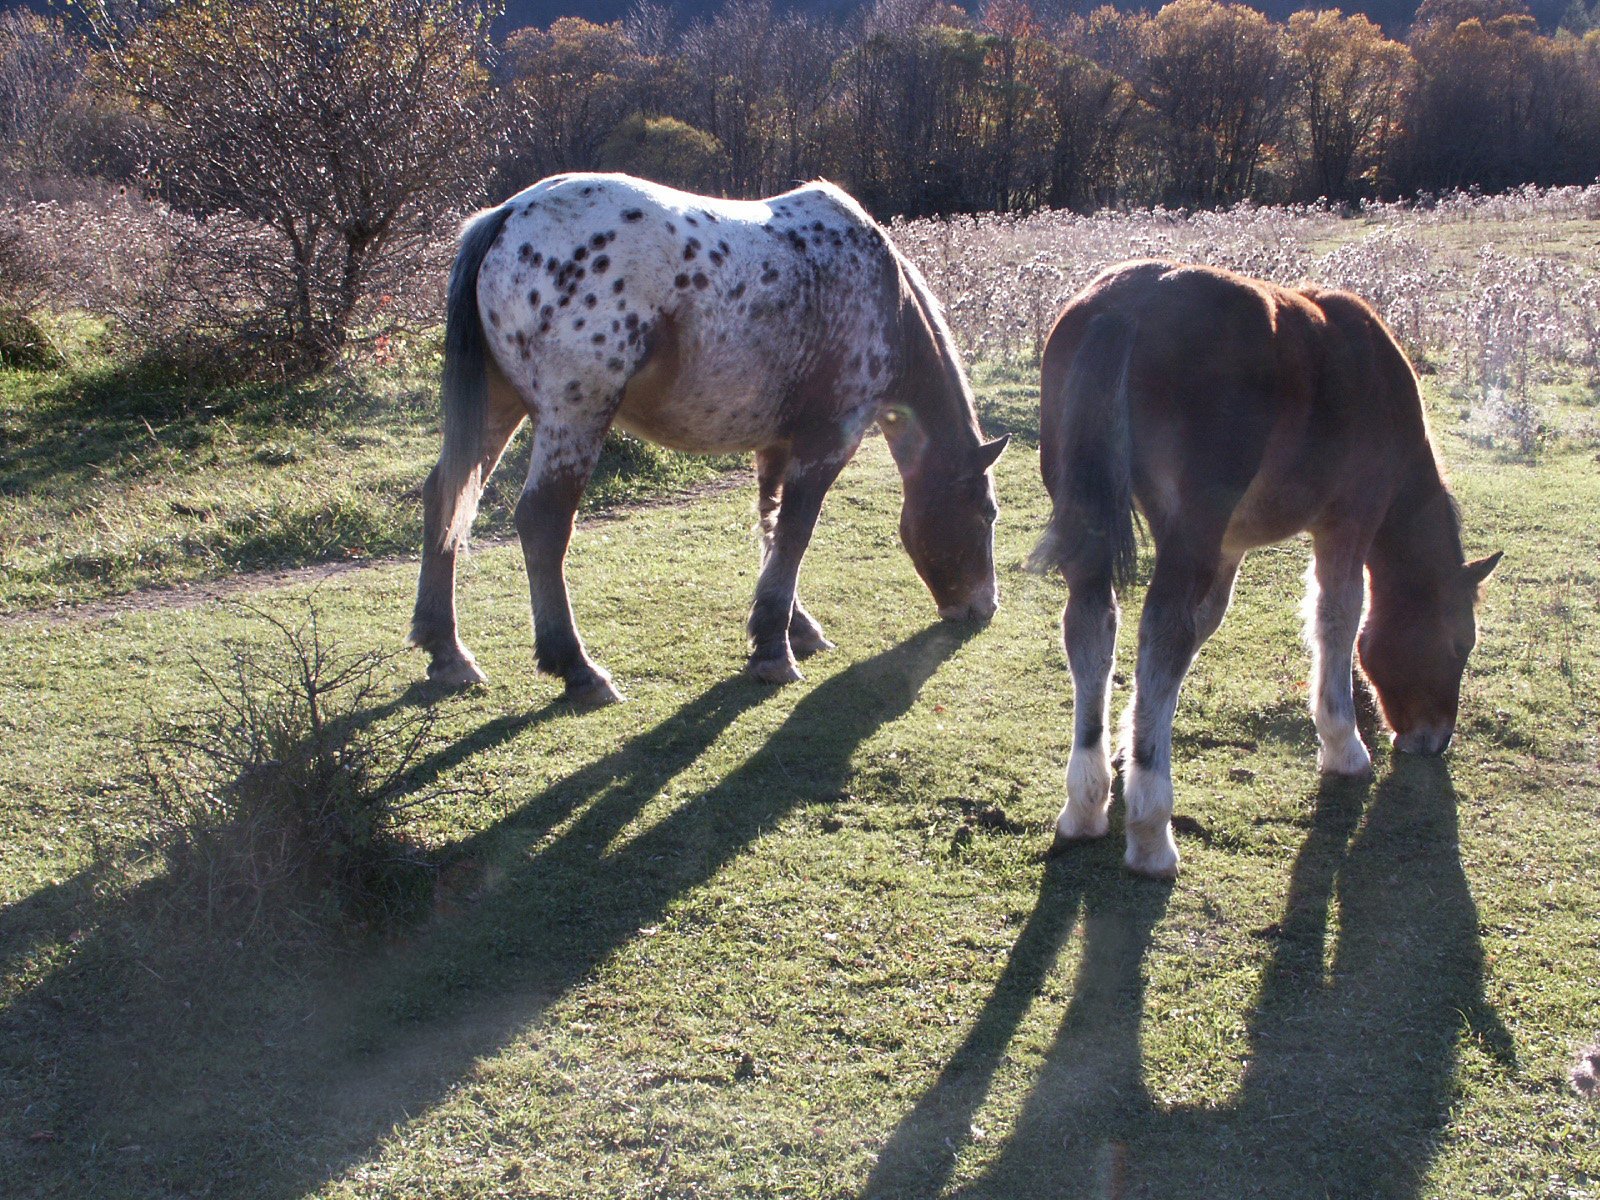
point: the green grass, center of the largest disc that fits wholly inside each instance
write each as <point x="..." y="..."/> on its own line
<point x="726" y="940"/>
<point x="115" y="478"/>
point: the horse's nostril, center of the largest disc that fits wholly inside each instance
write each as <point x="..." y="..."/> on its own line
<point x="1428" y="739"/>
<point x="973" y="610"/>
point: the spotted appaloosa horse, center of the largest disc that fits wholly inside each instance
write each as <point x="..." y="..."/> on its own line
<point x="1235" y="414"/>
<point x="784" y="326"/>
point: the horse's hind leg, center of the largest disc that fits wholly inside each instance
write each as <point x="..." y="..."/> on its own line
<point x="805" y="634"/>
<point x="1089" y="630"/>
<point x="1333" y="608"/>
<point x="433" y="623"/>
<point x="563" y="459"/>
<point x="1183" y="590"/>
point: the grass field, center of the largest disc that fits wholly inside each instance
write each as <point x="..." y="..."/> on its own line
<point x="726" y="940"/>
<point x="114" y="479"/>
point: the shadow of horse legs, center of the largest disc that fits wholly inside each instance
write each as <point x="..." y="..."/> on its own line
<point x="1093" y="1073"/>
<point x="1351" y="1066"/>
<point x="159" y="1069"/>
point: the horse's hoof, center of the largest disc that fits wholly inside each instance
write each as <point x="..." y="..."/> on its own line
<point x="1350" y="761"/>
<point x="1158" y="862"/>
<point x="1071" y="829"/>
<point x="592" y="693"/>
<point x="457" y="674"/>
<point x="774" y="670"/>
<point x="804" y="645"/>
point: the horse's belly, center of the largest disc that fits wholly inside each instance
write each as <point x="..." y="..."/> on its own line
<point x="1270" y="511"/>
<point x="700" y="417"/>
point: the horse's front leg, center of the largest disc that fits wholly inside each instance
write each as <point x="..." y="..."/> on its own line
<point x="805" y="634"/>
<point x="1169" y="635"/>
<point x="806" y="479"/>
<point x="556" y="478"/>
<point x="1334" y="599"/>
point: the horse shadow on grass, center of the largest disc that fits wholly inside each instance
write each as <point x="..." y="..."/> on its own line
<point x="1351" y="1067"/>
<point x="143" y="1069"/>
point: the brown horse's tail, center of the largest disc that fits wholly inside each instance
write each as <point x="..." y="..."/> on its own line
<point x="1091" y="529"/>
<point x="464" y="391"/>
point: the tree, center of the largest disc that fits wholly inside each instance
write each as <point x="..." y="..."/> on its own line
<point x="908" y="128"/>
<point x="345" y="129"/>
<point x="569" y="87"/>
<point x="1091" y="111"/>
<point x="1496" y="104"/>
<point x="664" y="149"/>
<point x="1016" y="67"/>
<point x="758" y="82"/>
<point x="40" y="67"/>
<point x="1349" y="88"/>
<point x="1214" y="74"/>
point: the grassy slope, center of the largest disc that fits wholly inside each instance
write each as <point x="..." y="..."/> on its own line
<point x="111" y="481"/>
<point x="726" y="940"/>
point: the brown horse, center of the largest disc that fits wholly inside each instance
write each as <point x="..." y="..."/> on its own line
<point x="783" y="326"/>
<point x="1233" y="414"/>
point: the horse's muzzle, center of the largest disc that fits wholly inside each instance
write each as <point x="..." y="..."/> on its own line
<point x="979" y="607"/>
<point x="1424" y="739"/>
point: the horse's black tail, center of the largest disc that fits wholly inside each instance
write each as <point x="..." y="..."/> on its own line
<point x="464" y="392"/>
<point x="1091" y="527"/>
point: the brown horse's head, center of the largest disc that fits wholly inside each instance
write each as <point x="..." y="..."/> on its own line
<point x="947" y="518"/>
<point x="1414" y="649"/>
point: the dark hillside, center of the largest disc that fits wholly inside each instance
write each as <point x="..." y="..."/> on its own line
<point x="1393" y="15"/>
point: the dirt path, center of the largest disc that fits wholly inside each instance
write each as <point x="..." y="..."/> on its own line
<point x="192" y="595"/>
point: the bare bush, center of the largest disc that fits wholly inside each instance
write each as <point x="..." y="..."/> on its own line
<point x="320" y="142"/>
<point x="40" y="65"/>
<point x="282" y="801"/>
<point x="24" y="281"/>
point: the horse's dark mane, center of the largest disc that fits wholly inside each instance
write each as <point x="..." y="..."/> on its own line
<point x="928" y="319"/>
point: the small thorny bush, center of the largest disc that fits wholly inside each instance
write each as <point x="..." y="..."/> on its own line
<point x="280" y="802"/>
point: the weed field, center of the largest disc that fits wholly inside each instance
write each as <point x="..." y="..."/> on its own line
<point x="730" y="940"/>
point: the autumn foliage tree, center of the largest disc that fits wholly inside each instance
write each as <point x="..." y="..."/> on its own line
<point x="1350" y="83"/>
<point x="1216" y="78"/>
<point x="343" y="131"/>
<point x="567" y="88"/>
<point x="1496" y="103"/>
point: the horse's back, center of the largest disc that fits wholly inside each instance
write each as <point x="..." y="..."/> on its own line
<point x="697" y="318"/>
<point x="1252" y="407"/>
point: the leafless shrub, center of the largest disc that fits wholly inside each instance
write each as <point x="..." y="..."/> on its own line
<point x="24" y="281"/>
<point x="40" y="66"/>
<point x="321" y="143"/>
<point x="281" y="803"/>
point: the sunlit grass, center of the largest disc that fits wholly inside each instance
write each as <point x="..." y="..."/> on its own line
<point x="726" y="940"/>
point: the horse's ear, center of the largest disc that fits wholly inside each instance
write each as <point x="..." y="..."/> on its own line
<point x="989" y="451"/>
<point x="1476" y="572"/>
